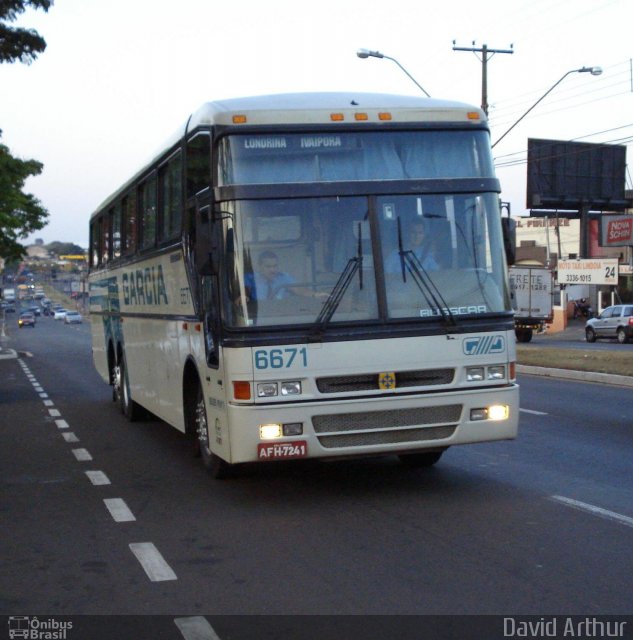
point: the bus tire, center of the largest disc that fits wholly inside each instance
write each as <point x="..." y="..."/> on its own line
<point x="418" y="460"/>
<point x="130" y="409"/>
<point x="216" y="466"/>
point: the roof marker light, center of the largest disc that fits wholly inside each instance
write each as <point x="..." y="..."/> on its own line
<point x="240" y="119"/>
<point x="337" y="117"/>
<point x="473" y="115"/>
<point x="384" y="116"/>
<point x="361" y="116"/>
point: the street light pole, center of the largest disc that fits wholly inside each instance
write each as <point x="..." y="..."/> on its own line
<point x="594" y="71"/>
<point x="365" y="53"/>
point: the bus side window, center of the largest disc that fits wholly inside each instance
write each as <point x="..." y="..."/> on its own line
<point x="95" y="235"/>
<point x="129" y="224"/>
<point x="116" y="231"/>
<point x="170" y="188"/>
<point x="105" y="239"/>
<point x="198" y="164"/>
<point x="147" y="193"/>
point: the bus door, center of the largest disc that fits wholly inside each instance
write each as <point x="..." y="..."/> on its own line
<point x="207" y="351"/>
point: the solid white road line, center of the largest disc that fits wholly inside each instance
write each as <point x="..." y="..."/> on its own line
<point x="98" y="478"/>
<point x="196" y="628"/>
<point x="82" y="455"/>
<point x="596" y="511"/>
<point x="119" y="510"/>
<point x="534" y="413"/>
<point x="61" y="424"/>
<point x="153" y="563"/>
<point x="69" y="436"/>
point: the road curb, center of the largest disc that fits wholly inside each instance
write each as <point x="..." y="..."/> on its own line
<point x="582" y="376"/>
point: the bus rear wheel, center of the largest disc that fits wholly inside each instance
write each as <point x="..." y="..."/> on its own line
<point x="417" y="460"/>
<point x="216" y="466"/>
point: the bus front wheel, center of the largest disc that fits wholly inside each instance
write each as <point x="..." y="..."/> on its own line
<point x="216" y="466"/>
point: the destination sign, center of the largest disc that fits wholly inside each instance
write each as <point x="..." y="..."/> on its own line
<point x="298" y="143"/>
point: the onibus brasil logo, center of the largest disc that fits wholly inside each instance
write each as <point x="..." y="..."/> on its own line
<point x="34" y="628"/>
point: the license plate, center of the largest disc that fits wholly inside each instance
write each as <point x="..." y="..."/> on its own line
<point x="282" y="450"/>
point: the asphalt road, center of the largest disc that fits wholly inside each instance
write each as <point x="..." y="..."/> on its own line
<point x="101" y="516"/>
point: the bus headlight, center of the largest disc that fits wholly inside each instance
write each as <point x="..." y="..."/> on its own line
<point x="269" y="431"/>
<point x="292" y="388"/>
<point x="475" y="374"/>
<point x="276" y="430"/>
<point x="267" y="389"/>
<point x="496" y="373"/>
<point x="495" y="412"/>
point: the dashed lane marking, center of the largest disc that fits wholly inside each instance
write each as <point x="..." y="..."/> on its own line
<point x="152" y="561"/>
<point x="119" y="511"/>
<point x="82" y="455"/>
<point x="98" y="478"/>
<point x="196" y="628"/>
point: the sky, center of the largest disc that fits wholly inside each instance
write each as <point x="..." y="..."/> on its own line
<point x="119" y="77"/>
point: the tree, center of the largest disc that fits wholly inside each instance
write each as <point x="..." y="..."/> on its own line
<point x="20" y="213"/>
<point x="64" y="248"/>
<point x="17" y="43"/>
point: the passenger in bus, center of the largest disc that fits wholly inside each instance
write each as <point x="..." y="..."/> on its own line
<point x="419" y="245"/>
<point x="270" y="283"/>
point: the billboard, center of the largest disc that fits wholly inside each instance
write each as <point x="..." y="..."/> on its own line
<point x="616" y="231"/>
<point x="571" y="175"/>
<point x="592" y="271"/>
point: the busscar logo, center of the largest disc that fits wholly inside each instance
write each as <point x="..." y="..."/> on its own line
<point x="483" y="345"/>
<point x="34" y="628"/>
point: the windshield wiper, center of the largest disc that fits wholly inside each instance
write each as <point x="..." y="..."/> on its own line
<point x="409" y="261"/>
<point x="354" y="265"/>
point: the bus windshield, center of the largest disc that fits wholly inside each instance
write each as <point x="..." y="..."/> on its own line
<point x="365" y="259"/>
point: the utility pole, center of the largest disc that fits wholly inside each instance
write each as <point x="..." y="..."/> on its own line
<point x="485" y="51"/>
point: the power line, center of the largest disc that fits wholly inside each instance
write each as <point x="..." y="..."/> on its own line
<point x="484" y="50"/>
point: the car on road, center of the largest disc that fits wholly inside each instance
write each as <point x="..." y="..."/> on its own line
<point x="613" y="322"/>
<point x="26" y="319"/>
<point x="73" y="317"/>
<point x="60" y="314"/>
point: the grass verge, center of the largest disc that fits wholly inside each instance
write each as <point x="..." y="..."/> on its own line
<point x="577" y="359"/>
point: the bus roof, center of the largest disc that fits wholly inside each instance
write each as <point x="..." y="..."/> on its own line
<point x="314" y="109"/>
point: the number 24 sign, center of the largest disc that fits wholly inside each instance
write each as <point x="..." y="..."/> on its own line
<point x="590" y="271"/>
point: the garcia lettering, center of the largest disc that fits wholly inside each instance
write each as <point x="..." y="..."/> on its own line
<point x="144" y="286"/>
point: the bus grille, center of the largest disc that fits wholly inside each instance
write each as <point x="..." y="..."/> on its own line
<point x="369" y="381"/>
<point x="385" y="427"/>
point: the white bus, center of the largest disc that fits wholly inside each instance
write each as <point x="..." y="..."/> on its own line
<point x="257" y="285"/>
